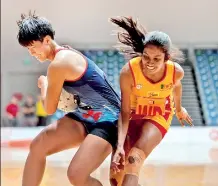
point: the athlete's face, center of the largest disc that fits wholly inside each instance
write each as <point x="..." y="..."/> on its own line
<point x="40" y="50"/>
<point x="153" y="59"/>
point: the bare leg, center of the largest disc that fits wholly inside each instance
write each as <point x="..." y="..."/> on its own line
<point x="64" y="134"/>
<point x="150" y="137"/>
<point x="88" y="158"/>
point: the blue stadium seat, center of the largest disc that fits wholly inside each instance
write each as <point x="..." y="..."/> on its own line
<point x="110" y="61"/>
<point x="207" y="64"/>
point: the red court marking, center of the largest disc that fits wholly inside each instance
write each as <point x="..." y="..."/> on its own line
<point x="17" y="143"/>
<point x="214" y="135"/>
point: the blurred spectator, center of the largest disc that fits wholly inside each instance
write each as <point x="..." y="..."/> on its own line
<point x="28" y="110"/>
<point x="12" y="109"/>
<point x="40" y="113"/>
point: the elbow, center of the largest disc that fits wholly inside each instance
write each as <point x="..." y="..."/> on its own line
<point x="50" y="107"/>
<point x="50" y="110"/>
<point x="125" y="110"/>
<point x="126" y="113"/>
<point x="177" y="88"/>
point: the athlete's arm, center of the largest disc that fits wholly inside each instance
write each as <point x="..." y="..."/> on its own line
<point x="123" y="123"/>
<point x="125" y="86"/>
<point x="181" y="112"/>
<point x="65" y="67"/>
<point x="177" y="90"/>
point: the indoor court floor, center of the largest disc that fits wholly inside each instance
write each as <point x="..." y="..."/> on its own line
<point x="152" y="174"/>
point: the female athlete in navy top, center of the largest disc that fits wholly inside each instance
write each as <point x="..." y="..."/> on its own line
<point x="76" y="85"/>
<point x="95" y="99"/>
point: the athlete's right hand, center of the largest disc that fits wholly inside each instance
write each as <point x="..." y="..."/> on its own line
<point x="42" y="81"/>
<point x="118" y="159"/>
<point x="182" y="116"/>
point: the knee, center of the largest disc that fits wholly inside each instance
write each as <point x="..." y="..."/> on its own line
<point x="146" y="146"/>
<point x="135" y="161"/>
<point x="76" y="177"/>
<point x="37" y="147"/>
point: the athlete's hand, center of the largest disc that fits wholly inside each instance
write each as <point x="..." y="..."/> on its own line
<point x="182" y="116"/>
<point x="42" y="81"/>
<point x="118" y="159"/>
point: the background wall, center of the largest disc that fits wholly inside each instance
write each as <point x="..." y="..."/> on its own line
<point x="84" y="24"/>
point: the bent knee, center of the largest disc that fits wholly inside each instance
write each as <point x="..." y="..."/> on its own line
<point x="76" y="177"/>
<point x="38" y="146"/>
<point x="147" y="146"/>
<point x="135" y="161"/>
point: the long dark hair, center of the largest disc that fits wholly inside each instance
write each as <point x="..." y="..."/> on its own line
<point x="134" y="39"/>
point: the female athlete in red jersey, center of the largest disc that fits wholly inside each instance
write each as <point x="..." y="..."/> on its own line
<point x="149" y="83"/>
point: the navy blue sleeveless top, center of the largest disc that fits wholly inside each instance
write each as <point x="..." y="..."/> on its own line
<point x="95" y="99"/>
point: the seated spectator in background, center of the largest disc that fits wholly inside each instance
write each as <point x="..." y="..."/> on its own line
<point x="12" y="109"/>
<point x="40" y="113"/>
<point x="29" y="112"/>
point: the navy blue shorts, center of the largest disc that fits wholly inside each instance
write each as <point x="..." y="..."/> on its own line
<point x="106" y="130"/>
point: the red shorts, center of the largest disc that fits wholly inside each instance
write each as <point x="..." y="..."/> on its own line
<point x="135" y="128"/>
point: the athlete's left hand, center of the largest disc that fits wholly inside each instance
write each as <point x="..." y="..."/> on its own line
<point x="182" y="116"/>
